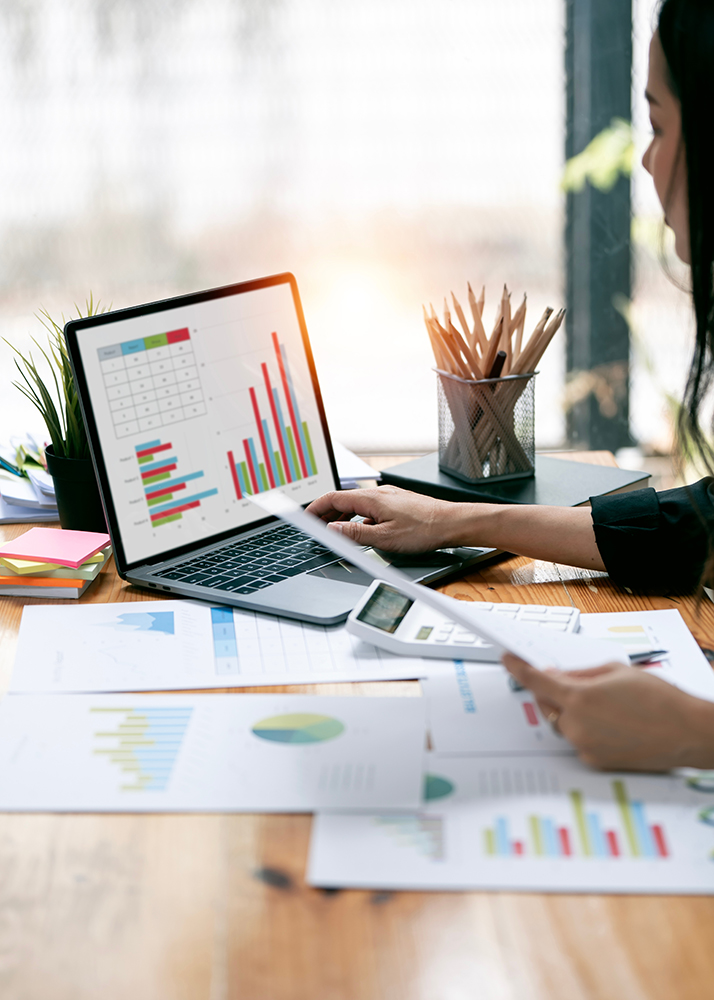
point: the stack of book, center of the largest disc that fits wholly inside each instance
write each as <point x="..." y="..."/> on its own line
<point x="49" y="562"/>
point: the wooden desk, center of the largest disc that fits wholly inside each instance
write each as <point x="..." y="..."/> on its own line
<point x="215" y="907"/>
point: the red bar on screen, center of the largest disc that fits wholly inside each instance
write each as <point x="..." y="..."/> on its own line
<point x="658" y="834"/>
<point x="234" y="473"/>
<point x="154" y="451"/>
<point x="261" y="434"/>
<point x="530" y="713"/>
<point x="612" y="843"/>
<point x="251" y="470"/>
<point x="286" y="390"/>
<point x="166" y="489"/>
<point x="276" y="422"/>
<point x="157" y="472"/>
<point x="564" y="838"/>
<point x="176" y="336"/>
<point x="175" y="510"/>
<point x="518" y="847"/>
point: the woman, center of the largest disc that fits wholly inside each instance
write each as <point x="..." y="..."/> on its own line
<point x="615" y="716"/>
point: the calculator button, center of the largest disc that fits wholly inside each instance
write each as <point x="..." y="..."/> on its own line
<point x="465" y="640"/>
<point x="556" y="626"/>
<point x="506" y="614"/>
<point x="508" y="607"/>
<point x="441" y="638"/>
<point x="559" y="612"/>
<point x="534" y="609"/>
<point x="484" y="606"/>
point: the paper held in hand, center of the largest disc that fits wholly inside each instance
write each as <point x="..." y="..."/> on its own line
<point x="540" y="647"/>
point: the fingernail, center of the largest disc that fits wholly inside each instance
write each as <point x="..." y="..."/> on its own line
<point x="335" y="525"/>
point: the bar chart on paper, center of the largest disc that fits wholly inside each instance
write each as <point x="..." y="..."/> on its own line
<point x="141" y="744"/>
<point x="264" y="459"/>
<point x="586" y="836"/>
<point x="167" y="490"/>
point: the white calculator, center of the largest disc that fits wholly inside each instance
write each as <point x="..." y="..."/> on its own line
<point x="388" y="619"/>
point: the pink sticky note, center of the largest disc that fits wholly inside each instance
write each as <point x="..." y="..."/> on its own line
<point x="55" y="545"/>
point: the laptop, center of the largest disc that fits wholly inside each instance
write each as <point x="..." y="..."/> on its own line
<point x="193" y="405"/>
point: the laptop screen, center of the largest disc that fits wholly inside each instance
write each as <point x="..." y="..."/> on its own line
<point x="197" y="403"/>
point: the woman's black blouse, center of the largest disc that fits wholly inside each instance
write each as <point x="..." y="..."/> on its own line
<point x="656" y="540"/>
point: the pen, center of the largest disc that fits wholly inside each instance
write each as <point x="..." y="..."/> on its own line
<point x="10" y="468"/>
<point x="497" y="366"/>
<point x="647" y="656"/>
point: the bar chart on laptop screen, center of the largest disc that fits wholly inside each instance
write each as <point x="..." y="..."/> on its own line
<point x="201" y="408"/>
<point x="266" y="460"/>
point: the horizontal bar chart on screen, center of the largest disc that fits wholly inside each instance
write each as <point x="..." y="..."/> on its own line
<point x="267" y="458"/>
<point x="166" y="495"/>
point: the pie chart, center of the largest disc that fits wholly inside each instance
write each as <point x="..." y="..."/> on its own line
<point x="298" y="727"/>
<point x="436" y="787"/>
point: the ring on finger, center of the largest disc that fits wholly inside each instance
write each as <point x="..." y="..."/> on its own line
<point x="553" y="718"/>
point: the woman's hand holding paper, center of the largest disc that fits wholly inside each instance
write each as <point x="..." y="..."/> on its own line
<point x="621" y="717"/>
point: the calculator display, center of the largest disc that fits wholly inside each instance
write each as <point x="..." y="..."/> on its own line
<point x="385" y="609"/>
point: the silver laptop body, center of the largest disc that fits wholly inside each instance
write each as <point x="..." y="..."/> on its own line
<point x="192" y="405"/>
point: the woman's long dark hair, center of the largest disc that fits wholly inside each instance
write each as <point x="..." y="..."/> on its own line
<point x="686" y="32"/>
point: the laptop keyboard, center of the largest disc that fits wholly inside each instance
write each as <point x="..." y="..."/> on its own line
<point x="249" y="565"/>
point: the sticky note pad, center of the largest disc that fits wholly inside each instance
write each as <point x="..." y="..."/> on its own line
<point x="56" y="545"/>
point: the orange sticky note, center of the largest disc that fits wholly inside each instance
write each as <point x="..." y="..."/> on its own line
<point x="56" y="545"/>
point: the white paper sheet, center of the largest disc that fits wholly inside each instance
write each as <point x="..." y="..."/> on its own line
<point x="538" y="646"/>
<point x="684" y="665"/>
<point x="180" y="645"/>
<point x="474" y="709"/>
<point x="224" y="753"/>
<point x="544" y="825"/>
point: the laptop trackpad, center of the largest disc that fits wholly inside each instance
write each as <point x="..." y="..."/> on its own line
<point x="344" y="572"/>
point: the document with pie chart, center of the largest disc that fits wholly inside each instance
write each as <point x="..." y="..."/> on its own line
<point x="209" y="753"/>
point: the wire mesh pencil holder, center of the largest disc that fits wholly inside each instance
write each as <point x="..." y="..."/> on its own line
<point x="486" y="427"/>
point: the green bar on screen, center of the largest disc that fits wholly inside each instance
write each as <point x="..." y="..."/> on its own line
<point x="489" y="842"/>
<point x="146" y="459"/>
<point x="279" y="466"/>
<point x="156" y="479"/>
<point x="246" y="478"/>
<point x="165" y="520"/>
<point x="310" y="452"/>
<point x="293" y="452"/>
<point x="158" y="500"/>
<point x="263" y="477"/>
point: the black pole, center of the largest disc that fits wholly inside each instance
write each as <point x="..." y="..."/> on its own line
<point x="598" y="65"/>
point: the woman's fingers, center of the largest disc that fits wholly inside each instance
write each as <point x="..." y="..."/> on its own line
<point x="549" y="686"/>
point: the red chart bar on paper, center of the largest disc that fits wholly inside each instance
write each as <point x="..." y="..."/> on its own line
<point x="166" y="489"/>
<point x="175" y="510"/>
<point x="564" y="838"/>
<point x="157" y="472"/>
<point x="251" y="470"/>
<point x="234" y="473"/>
<point x="612" y="843"/>
<point x="176" y="336"/>
<point x="658" y="834"/>
<point x="154" y="451"/>
<point x="530" y="711"/>
<point x="518" y="847"/>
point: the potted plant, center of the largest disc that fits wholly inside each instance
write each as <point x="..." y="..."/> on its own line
<point x="68" y="458"/>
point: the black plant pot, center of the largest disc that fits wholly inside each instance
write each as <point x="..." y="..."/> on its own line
<point x="78" y="501"/>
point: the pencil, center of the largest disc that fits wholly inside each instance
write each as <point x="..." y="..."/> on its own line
<point x="479" y="331"/>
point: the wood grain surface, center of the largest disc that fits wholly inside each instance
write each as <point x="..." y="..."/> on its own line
<point x="216" y="908"/>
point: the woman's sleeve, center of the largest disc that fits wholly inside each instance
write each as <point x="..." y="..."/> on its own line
<point x="656" y="540"/>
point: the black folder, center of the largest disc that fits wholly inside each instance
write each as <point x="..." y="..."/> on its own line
<point x="557" y="482"/>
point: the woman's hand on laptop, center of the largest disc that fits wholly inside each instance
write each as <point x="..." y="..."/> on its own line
<point x="394" y="519"/>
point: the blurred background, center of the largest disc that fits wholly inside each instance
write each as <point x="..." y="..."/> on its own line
<point x="386" y="152"/>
